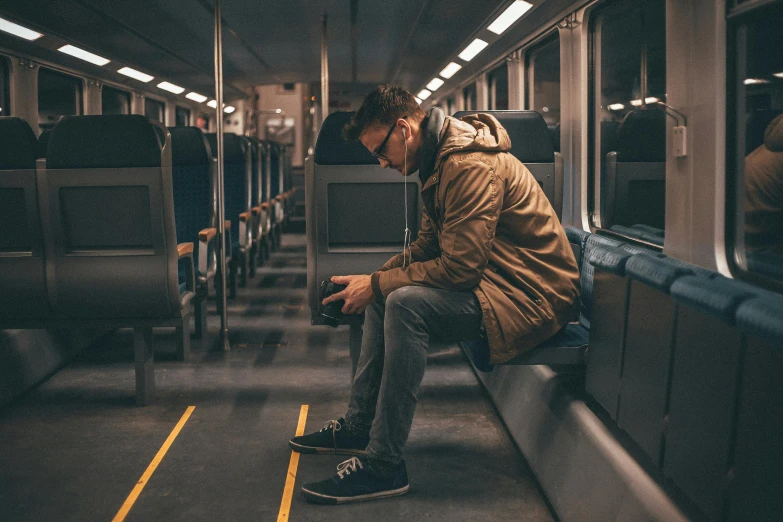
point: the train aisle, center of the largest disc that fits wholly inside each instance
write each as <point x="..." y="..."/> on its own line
<point x="76" y="447"/>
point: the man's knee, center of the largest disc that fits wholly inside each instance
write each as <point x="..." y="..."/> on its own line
<point x="407" y="299"/>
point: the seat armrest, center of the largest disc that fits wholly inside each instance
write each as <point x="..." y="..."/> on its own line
<point x="256" y="210"/>
<point x="185" y="251"/>
<point x="206" y="263"/>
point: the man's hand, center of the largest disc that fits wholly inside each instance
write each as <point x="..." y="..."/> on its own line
<point x="358" y="295"/>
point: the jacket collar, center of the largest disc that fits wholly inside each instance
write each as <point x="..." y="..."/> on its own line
<point x="429" y="146"/>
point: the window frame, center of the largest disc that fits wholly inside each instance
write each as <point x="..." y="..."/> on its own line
<point x="157" y="100"/>
<point x="527" y="52"/>
<point x="79" y="98"/>
<point x="119" y="89"/>
<point x="6" y="100"/>
<point x="737" y="20"/>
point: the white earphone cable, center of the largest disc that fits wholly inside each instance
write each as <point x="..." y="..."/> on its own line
<point x="406" y="245"/>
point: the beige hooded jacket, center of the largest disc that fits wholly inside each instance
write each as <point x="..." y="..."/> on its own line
<point x="488" y="227"/>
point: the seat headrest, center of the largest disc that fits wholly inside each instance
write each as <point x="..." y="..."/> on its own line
<point x="233" y="147"/>
<point x="642" y="137"/>
<point x="756" y="125"/>
<point x="332" y="149"/>
<point x="189" y="146"/>
<point x="17" y="144"/>
<point x="103" y="142"/>
<point x="531" y="141"/>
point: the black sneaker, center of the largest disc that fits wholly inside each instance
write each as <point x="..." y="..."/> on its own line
<point x="355" y="481"/>
<point x="333" y="438"/>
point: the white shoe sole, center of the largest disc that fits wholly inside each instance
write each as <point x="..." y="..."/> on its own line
<point x="324" y="451"/>
<point x="327" y="499"/>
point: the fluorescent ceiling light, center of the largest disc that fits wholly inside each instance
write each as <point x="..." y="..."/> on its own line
<point x="136" y="75"/>
<point x="616" y="107"/>
<point x="435" y="84"/>
<point x="450" y="70"/>
<point x="213" y="104"/>
<point x="778" y="75"/>
<point x="166" y="86"/>
<point x="636" y="103"/>
<point x="473" y="49"/>
<point x="651" y="99"/>
<point x="418" y="100"/>
<point x="196" y="97"/>
<point x="228" y="109"/>
<point x="754" y="81"/>
<point x="424" y="94"/>
<point x="83" y="55"/>
<point x="18" y="30"/>
<point x="509" y="16"/>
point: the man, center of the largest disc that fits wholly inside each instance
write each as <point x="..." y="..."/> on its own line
<point x="491" y="261"/>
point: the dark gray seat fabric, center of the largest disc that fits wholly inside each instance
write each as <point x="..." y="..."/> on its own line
<point x="531" y="143"/>
<point x="655" y="272"/>
<point x="332" y="149"/>
<point x="767" y="263"/>
<point x="718" y="296"/>
<point x="577" y="238"/>
<point x="22" y="260"/>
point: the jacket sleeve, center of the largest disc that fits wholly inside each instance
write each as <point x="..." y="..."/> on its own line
<point x="424" y="248"/>
<point x="472" y="203"/>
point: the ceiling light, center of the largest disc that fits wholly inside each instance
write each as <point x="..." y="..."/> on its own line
<point x="616" y="107"/>
<point x="651" y="99"/>
<point x="424" y="94"/>
<point x="196" y="97"/>
<point x="166" y="86"/>
<point x="636" y="103"/>
<point x="418" y="100"/>
<point x="450" y="70"/>
<point x="473" y="49"/>
<point x="213" y="104"/>
<point x="435" y="84"/>
<point x="136" y="75"/>
<point x="228" y="109"/>
<point x="778" y="75"/>
<point x="754" y="81"/>
<point x="509" y="16"/>
<point x="18" y="30"/>
<point x="83" y="55"/>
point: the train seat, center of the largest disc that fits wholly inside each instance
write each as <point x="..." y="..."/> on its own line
<point x="271" y="166"/>
<point x="43" y="142"/>
<point x="22" y="260"/>
<point x="192" y="179"/>
<point x="531" y="143"/>
<point x="341" y="237"/>
<point x="636" y="172"/>
<point x="757" y="466"/>
<point x="756" y="124"/>
<point x="577" y="238"/>
<point x="258" y="209"/>
<point x="703" y="388"/>
<point x="115" y="264"/>
<point x="236" y="192"/>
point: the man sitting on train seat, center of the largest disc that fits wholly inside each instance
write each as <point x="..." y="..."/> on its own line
<point x="764" y="192"/>
<point x="491" y="261"/>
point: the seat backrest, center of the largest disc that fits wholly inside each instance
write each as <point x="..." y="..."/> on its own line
<point x="355" y="209"/>
<point x="21" y="240"/>
<point x="236" y="177"/>
<point x="43" y="142"/>
<point x="756" y="125"/>
<point x="636" y="172"/>
<point x="531" y="143"/>
<point x="192" y="181"/>
<point x="111" y="237"/>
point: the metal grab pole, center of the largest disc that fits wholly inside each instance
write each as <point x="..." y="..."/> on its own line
<point x="324" y="70"/>
<point x="220" y="187"/>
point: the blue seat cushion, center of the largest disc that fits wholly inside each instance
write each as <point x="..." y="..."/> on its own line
<point x="718" y="297"/>
<point x="656" y="272"/>
<point x="610" y="259"/>
<point x="762" y="317"/>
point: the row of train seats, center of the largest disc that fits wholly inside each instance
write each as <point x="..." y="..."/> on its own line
<point x="687" y="363"/>
<point x="114" y="226"/>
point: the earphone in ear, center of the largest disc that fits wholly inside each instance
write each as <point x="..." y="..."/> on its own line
<point x="404" y="133"/>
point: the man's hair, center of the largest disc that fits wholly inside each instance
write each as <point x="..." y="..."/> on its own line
<point x="382" y="107"/>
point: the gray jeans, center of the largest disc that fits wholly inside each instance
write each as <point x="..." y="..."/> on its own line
<point x="391" y="365"/>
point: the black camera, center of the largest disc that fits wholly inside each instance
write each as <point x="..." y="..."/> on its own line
<point x="332" y="313"/>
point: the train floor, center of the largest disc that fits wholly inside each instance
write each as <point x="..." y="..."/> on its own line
<point x="76" y="446"/>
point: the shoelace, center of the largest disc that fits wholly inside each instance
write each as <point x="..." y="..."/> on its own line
<point x="345" y="468"/>
<point x="335" y="427"/>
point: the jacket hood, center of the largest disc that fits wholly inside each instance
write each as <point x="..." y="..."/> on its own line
<point x="773" y="136"/>
<point x="472" y="133"/>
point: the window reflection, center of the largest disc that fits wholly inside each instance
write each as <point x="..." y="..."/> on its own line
<point x="58" y="95"/>
<point x="498" y="88"/>
<point x="543" y="81"/>
<point x="114" y="101"/>
<point x="154" y="109"/>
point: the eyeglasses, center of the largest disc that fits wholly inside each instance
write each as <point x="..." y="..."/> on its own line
<point x="379" y="151"/>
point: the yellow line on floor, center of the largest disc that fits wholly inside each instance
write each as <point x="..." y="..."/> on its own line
<point x="126" y="507"/>
<point x="288" y="491"/>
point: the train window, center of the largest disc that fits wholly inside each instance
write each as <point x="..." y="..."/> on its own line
<point x="756" y="147"/>
<point x="470" y="97"/>
<point x="115" y="101"/>
<point x="182" y="116"/>
<point x="628" y="131"/>
<point x="498" y="88"/>
<point x="543" y="81"/>
<point x="58" y="95"/>
<point x="4" y="88"/>
<point x="154" y="109"/>
<point x="451" y="106"/>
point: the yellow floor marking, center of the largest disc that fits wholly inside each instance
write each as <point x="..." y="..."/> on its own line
<point x="288" y="491"/>
<point x="126" y="507"/>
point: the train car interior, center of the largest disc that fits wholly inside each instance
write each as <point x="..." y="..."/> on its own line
<point x="177" y="188"/>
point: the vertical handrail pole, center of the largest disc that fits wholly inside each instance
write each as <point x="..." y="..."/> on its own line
<point x="220" y="168"/>
<point x="324" y="69"/>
